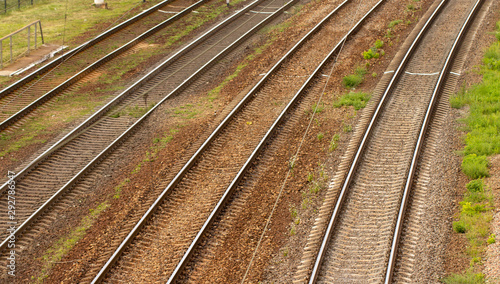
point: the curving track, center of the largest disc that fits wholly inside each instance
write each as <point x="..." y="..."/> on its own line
<point x="51" y="175"/>
<point x="84" y="62"/>
<point x="359" y="229"/>
<point x="199" y="191"/>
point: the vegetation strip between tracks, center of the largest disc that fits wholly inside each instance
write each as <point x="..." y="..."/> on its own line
<point x="418" y="147"/>
<point x="23" y="112"/>
<point x="355" y="162"/>
<point x="125" y="134"/>
<point x="228" y="192"/>
<point x="139" y="83"/>
<point x="82" y="47"/>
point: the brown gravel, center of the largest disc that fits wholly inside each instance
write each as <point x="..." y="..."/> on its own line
<point x="281" y="252"/>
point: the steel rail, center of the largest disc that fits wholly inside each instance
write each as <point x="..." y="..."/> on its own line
<point x="96" y="160"/>
<point x="136" y="85"/>
<point x="73" y="79"/>
<point x="99" y="277"/>
<point x="361" y="148"/>
<point x="81" y="47"/>
<point x="260" y="147"/>
<point x="418" y="147"/>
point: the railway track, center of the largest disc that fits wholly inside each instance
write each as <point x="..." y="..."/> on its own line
<point x="357" y="234"/>
<point x="52" y="174"/>
<point x="171" y="229"/>
<point x="28" y="94"/>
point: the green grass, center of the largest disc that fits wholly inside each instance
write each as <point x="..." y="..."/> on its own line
<point x="468" y="277"/>
<point x="67" y="242"/>
<point x="475" y="166"/>
<point x="67" y="108"/>
<point x="81" y="17"/>
<point x="482" y="140"/>
<point x="334" y="143"/>
<point x="394" y="23"/>
<point x="352" y="81"/>
<point x="356" y="99"/>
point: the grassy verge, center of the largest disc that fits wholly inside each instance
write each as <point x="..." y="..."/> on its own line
<point x="81" y="17"/>
<point x="67" y="242"/>
<point x="115" y="75"/>
<point x="482" y="140"/>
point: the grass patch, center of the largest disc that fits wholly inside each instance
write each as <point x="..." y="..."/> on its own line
<point x="356" y="99"/>
<point x="66" y="243"/>
<point x="469" y="277"/>
<point x="67" y="108"/>
<point x="475" y="166"/>
<point x="334" y="143"/>
<point x="352" y="81"/>
<point x="394" y="23"/>
<point x="159" y="144"/>
<point x="481" y="141"/>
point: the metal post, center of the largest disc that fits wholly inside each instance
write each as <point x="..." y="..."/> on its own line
<point x="18" y="4"/>
<point x="10" y="49"/>
<point x="29" y="32"/>
<point x="5" y="5"/>
<point x="35" y="35"/>
<point x="1" y="55"/>
<point x="41" y="32"/>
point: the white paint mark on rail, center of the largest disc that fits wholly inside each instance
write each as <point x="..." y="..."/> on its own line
<point x="168" y="12"/>
<point x="423" y="74"/>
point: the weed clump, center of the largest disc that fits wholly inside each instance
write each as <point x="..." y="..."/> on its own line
<point x="356" y="99"/>
<point x="475" y="166"/>
<point x="394" y="23"/>
<point x="491" y="239"/>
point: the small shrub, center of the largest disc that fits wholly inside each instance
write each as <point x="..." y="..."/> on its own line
<point x="492" y="56"/>
<point x="320" y="136"/>
<point x="459" y="227"/>
<point x="410" y="7"/>
<point x="379" y="44"/>
<point x="491" y="239"/>
<point x="293" y="231"/>
<point x="475" y="166"/>
<point x="475" y="185"/>
<point x="370" y="53"/>
<point x="374" y="74"/>
<point x="470" y="209"/>
<point x="351" y="81"/>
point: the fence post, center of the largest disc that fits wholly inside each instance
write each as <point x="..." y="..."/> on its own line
<point x="41" y="32"/>
<point x="18" y="4"/>
<point x="5" y="5"/>
<point x="10" y="49"/>
<point x="35" y="35"/>
<point x="1" y="54"/>
<point x="29" y="32"/>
